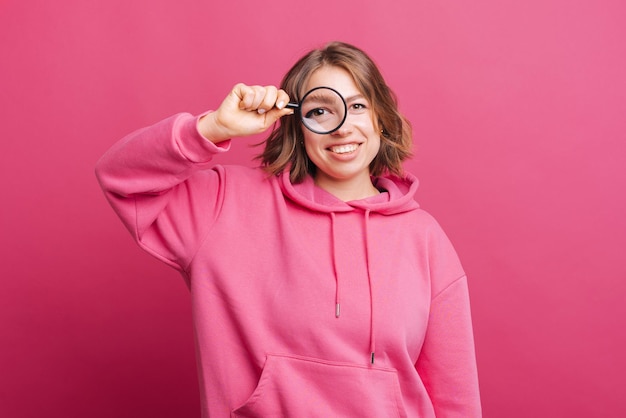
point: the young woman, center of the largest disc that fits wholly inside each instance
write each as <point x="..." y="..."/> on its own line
<point x="319" y="287"/>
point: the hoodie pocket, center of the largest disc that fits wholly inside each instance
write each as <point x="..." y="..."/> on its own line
<point x="292" y="386"/>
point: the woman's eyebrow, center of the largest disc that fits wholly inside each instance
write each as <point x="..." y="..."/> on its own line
<point x="355" y="97"/>
<point x="322" y="98"/>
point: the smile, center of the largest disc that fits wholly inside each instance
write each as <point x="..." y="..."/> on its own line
<point x="344" y="149"/>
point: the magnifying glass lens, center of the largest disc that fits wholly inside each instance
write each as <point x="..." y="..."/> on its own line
<point x="323" y="110"/>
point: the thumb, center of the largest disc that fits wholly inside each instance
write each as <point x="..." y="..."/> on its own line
<point x="274" y="114"/>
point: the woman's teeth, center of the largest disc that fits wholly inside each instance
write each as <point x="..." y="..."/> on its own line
<point x="343" y="149"/>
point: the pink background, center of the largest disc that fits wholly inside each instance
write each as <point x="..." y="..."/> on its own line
<point x="519" y="116"/>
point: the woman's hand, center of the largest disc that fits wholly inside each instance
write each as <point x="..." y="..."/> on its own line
<point x="247" y="110"/>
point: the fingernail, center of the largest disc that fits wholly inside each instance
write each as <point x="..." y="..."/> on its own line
<point x="261" y="111"/>
<point x="280" y="104"/>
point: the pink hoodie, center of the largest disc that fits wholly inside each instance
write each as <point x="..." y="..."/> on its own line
<point x="303" y="305"/>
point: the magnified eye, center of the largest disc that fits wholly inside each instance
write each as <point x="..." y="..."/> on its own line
<point x="316" y="113"/>
<point x="323" y="110"/>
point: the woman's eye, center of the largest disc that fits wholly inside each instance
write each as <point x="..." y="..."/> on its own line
<point x="359" y="107"/>
<point x="315" y="112"/>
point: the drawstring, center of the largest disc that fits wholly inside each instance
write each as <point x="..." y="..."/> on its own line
<point x="334" y="250"/>
<point x="369" y="279"/>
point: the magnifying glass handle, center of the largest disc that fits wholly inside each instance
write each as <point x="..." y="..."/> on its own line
<point x="292" y="105"/>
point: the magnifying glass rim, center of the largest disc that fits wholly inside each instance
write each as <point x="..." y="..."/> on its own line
<point x="345" y="110"/>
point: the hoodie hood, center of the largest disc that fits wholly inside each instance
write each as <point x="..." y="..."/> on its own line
<point x="397" y="195"/>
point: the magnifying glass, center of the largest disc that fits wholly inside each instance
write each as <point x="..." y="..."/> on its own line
<point x="322" y="110"/>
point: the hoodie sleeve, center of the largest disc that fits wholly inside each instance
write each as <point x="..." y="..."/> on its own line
<point x="158" y="181"/>
<point x="447" y="362"/>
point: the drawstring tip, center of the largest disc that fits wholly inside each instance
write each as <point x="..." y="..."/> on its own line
<point x="337" y="310"/>
<point x="372" y="358"/>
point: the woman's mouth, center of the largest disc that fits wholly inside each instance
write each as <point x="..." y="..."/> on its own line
<point x="343" y="149"/>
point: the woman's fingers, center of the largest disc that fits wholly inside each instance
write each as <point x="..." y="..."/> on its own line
<point x="247" y="110"/>
<point x="269" y="99"/>
<point x="260" y="98"/>
<point x="282" y="99"/>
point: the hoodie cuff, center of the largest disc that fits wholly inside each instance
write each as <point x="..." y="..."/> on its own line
<point x="192" y="144"/>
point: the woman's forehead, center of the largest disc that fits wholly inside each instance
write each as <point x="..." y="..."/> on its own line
<point x="334" y="77"/>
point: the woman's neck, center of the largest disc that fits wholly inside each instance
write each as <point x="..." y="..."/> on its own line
<point x="347" y="190"/>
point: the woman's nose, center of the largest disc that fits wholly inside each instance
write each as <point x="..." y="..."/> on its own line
<point x="345" y="129"/>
